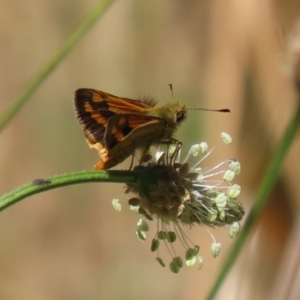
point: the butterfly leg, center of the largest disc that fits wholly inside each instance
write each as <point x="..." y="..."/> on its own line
<point x="131" y="164"/>
<point x="175" y="154"/>
<point x="172" y="157"/>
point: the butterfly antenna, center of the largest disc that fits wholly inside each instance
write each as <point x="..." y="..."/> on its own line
<point x="224" y="110"/>
<point x="171" y="89"/>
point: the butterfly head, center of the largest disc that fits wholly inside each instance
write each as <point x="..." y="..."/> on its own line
<point x="180" y="113"/>
<point x="172" y="113"/>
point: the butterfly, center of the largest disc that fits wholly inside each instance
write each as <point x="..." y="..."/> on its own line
<point x="116" y="127"/>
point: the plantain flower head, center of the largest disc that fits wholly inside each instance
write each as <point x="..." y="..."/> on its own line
<point x="175" y="194"/>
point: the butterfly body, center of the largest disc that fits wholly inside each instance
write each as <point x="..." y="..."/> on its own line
<point x="117" y="126"/>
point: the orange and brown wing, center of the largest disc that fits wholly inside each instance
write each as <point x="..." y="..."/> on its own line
<point x="95" y="108"/>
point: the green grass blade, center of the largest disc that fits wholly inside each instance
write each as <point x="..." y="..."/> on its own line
<point x="42" y="185"/>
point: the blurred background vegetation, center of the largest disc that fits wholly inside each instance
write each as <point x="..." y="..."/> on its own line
<point x="70" y="243"/>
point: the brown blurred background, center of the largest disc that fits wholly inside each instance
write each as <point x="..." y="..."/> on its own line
<point x="70" y="243"/>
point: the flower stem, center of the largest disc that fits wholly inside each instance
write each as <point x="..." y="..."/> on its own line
<point x="35" y="187"/>
<point x="70" y="42"/>
<point x="261" y="199"/>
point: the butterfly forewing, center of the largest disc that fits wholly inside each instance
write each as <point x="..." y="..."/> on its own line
<point x="95" y="108"/>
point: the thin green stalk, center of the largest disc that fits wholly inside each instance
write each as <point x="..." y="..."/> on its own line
<point x="71" y="41"/>
<point x="262" y="197"/>
<point x="41" y="185"/>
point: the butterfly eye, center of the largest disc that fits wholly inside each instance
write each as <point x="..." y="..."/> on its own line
<point x="180" y="115"/>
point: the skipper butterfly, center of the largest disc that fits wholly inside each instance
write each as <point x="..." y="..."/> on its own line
<point x="117" y="126"/>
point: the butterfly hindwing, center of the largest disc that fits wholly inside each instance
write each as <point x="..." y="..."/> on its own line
<point x="120" y="127"/>
<point x="141" y="137"/>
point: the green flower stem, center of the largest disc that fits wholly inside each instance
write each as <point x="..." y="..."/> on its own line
<point x="71" y="41"/>
<point x="261" y="199"/>
<point x="66" y="179"/>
